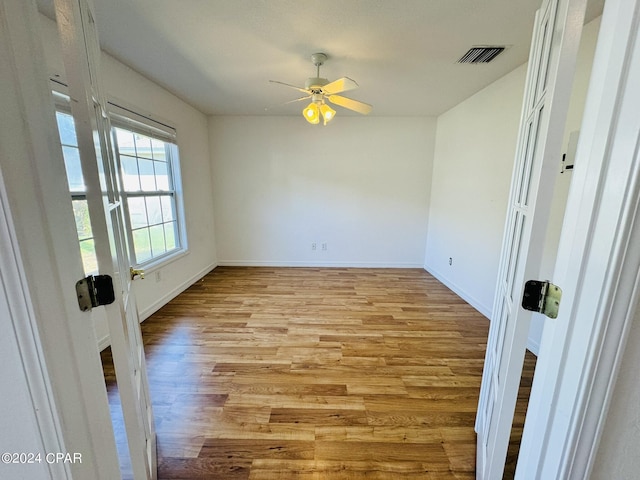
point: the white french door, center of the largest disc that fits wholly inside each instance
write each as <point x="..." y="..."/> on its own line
<point x="81" y="54"/>
<point x="556" y="37"/>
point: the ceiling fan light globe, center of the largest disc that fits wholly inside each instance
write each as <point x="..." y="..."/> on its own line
<point x="311" y="113"/>
<point x="327" y="113"/>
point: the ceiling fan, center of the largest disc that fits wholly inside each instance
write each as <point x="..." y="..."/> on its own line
<point x="320" y="90"/>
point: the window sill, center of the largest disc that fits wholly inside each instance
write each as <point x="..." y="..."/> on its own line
<point x="156" y="264"/>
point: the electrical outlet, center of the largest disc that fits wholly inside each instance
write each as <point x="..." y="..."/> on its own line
<point x="324" y="247"/>
<point x="313" y="246"/>
<point x="158" y="276"/>
<point x="450" y="261"/>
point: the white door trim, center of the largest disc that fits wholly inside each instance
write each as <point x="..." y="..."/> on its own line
<point x="597" y="266"/>
<point x="34" y="181"/>
<point x="22" y="327"/>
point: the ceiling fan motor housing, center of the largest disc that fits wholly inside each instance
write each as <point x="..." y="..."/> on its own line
<point x="315" y="83"/>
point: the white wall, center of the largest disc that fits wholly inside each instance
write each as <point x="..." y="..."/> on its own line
<point x="145" y="96"/>
<point x="138" y="93"/>
<point x="473" y="162"/>
<point x="475" y="147"/>
<point x="360" y="185"/>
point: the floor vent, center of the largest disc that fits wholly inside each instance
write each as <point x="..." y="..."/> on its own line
<point x="481" y="54"/>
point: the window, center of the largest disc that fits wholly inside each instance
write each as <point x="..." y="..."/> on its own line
<point x="147" y="160"/>
<point x="147" y="165"/>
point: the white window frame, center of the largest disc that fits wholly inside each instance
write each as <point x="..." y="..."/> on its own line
<point x="127" y="118"/>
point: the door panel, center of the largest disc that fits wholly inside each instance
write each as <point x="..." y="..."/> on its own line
<point x="81" y="55"/>
<point x="550" y="72"/>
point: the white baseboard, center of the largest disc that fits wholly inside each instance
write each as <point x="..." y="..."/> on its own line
<point x="243" y="263"/>
<point x="479" y="306"/>
<point x="162" y="301"/>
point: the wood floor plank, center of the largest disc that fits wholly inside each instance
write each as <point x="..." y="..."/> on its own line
<point x="314" y="373"/>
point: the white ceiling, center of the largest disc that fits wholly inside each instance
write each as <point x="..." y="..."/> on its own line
<point x="219" y="55"/>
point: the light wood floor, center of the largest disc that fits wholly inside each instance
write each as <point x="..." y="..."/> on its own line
<point x="308" y="373"/>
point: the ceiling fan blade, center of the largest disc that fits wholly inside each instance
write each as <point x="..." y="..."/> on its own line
<point x="354" y="105"/>
<point x="341" y="85"/>
<point x="300" y="89"/>
<point x="290" y="101"/>
<point x="298" y="99"/>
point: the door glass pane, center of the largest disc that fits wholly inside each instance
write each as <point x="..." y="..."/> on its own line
<point x="510" y="246"/>
<point x="526" y="158"/>
<point x="534" y="150"/>
<point x="517" y="249"/>
<point x="89" y="259"/>
<point x="541" y="80"/>
<point x="66" y="129"/>
<point x="74" y="171"/>
<point x="505" y="316"/>
<point x="83" y="222"/>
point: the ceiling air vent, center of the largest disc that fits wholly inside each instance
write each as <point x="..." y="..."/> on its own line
<point x="481" y="54"/>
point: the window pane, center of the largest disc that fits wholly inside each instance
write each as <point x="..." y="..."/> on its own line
<point x="130" y="174"/>
<point x="89" y="259"/>
<point x="83" y="222"/>
<point x="143" y="146"/>
<point x="170" y="234"/>
<point x="137" y="212"/>
<point x="157" y="240"/>
<point x="147" y="177"/>
<point x="162" y="175"/>
<point x="126" y="144"/>
<point x="141" y="245"/>
<point x="159" y="151"/>
<point x="66" y="129"/>
<point x="154" y="214"/>
<point x="74" y="170"/>
<point x="168" y="208"/>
